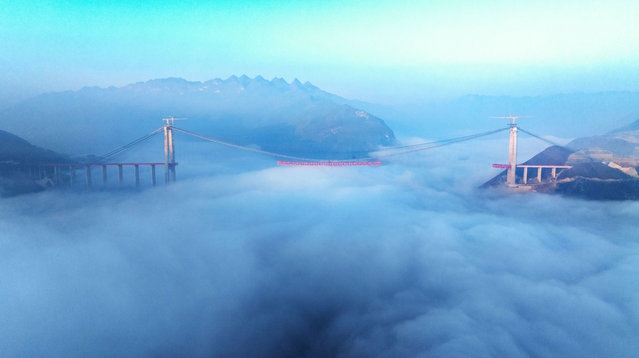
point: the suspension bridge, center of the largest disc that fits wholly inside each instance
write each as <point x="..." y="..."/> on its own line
<point x="67" y="173"/>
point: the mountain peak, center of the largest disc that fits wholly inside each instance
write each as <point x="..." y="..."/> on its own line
<point x="278" y="81"/>
<point x="170" y="83"/>
<point x="170" y="80"/>
<point x="309" y="85"/>
<point x="244" y="80"/>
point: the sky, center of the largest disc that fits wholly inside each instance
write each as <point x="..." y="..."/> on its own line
<point x="381" y="51"/>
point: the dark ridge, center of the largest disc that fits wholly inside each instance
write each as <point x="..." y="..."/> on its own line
<point x="14" y="149"/>
<point x="600" y="190"/>
<point x="17" y="158"/>
<point x="555" y="155"/>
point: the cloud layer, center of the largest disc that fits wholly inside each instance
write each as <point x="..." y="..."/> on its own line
<point x="397" y="261"/>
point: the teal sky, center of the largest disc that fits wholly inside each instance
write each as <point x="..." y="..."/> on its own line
<point x="384" y="51"/>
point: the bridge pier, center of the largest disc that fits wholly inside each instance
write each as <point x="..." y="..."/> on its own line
<point x="136" y="172"/>
<point x="539" y="167"/>
<point x="56" y="175"/>
<point x="88" y="175"/>
<point x="153" y="175"/>
<point x="104" y="175"/>
<point x="539" y="175"/>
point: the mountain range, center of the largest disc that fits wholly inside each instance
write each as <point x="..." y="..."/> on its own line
<point x="17" y="161"/>
<point x="291" y="118"/>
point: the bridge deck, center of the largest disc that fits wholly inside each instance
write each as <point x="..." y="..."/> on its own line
<point x="97" y="164"/>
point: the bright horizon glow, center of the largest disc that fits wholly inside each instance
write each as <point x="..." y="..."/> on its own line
<point x="381" y="51"/>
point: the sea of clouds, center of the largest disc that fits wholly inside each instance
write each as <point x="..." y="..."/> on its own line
<point x="240" y="258"/>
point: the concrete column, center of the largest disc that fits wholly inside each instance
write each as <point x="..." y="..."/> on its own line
<point x="153" y="175"/>
<point x="88" y="174"/>
<point x="554" y="173"/>
<point x="525" y="175"/>
<point x="166" y="154"/>
<point x="136" y="172"/>
<point x="104" y="174"/>
<point x="539" y="174"/>
<point x="56" y="175"/>
<point x="71" y="174"/>
<point x="172" y="155"/>
<point x="512" y="156"/>
<point x="119" y="173"/>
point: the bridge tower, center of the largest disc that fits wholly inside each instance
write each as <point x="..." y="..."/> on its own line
<point x="169" y="149"/>
<point x="512" y="153"/>
<point x="512" y="150"/>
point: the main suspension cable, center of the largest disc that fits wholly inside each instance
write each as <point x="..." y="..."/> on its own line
<point x="436" y="144"/>
<point x="259" y="150"/>
<point x="472" y="136"/>
<point x="442" y="143"/>
<point x="543" y="139"/>
<point x="127" y="146"/>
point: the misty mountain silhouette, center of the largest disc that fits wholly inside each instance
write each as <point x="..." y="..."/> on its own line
<point x="293" y="118"/>
<point x="623" y="141"/>
<point x="16" y="156"/>
<point x="17" y="151"/>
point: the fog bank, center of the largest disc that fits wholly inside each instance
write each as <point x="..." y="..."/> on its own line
<point x="405" y="260"/>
